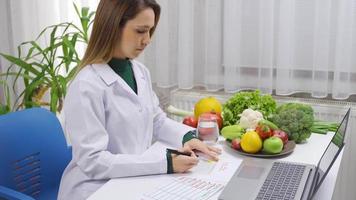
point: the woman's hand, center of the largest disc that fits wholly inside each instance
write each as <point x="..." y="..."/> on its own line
<point x="196" y="144"/>
<point x="183" y="163"/>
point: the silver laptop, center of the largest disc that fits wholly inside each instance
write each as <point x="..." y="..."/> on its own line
<point x="267" y="179"/>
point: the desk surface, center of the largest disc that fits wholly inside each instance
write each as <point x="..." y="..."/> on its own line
<point x="309" y="153"/>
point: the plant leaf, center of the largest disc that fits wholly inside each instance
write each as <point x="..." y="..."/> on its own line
<point x="53" y="34"/>
<point x="29" y="54"/>
<point x="63" y="83"/>
<point x="71" y="74"/>
<point x="4" y="109"/>
<point x="76" y="9"/>
<point x="85" y="11"/>
<point x="91" y="15"/>
<point x="41" y="51"/>
<point x="19" y="62"/>
<point x="65" y="51"/>
<point x="71" y="46"/>
<point x="29" y="91"/>
<point x="54" y="97"/>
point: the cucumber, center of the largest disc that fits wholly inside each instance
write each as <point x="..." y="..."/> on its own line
<point x="231" y="132"/>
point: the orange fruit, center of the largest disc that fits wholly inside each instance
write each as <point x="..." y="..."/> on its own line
<point x="207" y="104"/>
<point x="251" y="142"/>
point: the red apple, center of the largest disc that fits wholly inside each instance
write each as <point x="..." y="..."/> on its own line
<point x="213" y="115"/>
<point x="281" y="134"/>
<point x="235" y="144"/>
<point x="190" y="121"/>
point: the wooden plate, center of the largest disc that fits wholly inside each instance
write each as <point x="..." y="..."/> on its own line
<point x="287" y="149"/>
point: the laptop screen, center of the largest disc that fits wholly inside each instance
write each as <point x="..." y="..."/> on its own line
<point x="332" y="151"/>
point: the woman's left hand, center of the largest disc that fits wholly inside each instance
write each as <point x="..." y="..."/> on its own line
<point x="196" y="144"/>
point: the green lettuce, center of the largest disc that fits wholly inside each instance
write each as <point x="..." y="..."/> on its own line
<point x="243" y="100"/>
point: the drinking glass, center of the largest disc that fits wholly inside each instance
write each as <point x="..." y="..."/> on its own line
<point x="208" y="130"/>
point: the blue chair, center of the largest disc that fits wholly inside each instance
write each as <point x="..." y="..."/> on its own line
<point x="33" y="155"/>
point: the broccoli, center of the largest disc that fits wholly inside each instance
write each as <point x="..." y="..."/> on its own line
<point x="296" y="120"/>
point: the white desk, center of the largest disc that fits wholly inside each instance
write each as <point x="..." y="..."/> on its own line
<point x="310" y="153"/>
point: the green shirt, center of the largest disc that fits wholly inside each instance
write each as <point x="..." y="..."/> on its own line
<point x="123" y="67"/>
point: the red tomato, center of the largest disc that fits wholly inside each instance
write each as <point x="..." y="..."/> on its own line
<point x="264" y="131"/>
<point x="190" y="121"/>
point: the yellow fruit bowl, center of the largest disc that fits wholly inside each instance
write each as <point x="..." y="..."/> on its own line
<point x="287" y="149"/>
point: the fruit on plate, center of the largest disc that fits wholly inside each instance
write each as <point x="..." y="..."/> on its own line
<point x="251" y="142"/>
<point x="281" y="134"/>
<point x="273" y="145"/>
<point x="236" y="144"/>
<point x="231" y="132"/>
<point x="264" y="131"/>
<point x="265" y="128"/>
<point x="207" y="104"/>
<point x="190" y="121"/>
<point x="215" y="116"/>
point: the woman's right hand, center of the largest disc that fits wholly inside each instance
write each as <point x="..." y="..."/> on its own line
<point x="183" y="163"/>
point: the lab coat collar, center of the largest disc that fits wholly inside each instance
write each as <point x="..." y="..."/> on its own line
<point x="109" y="77"/>
<point x="106" y="73"/>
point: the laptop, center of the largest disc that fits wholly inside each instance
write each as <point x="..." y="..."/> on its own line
<point x="267" y="179"/>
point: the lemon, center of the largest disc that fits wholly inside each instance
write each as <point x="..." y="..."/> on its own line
<point x="251" y="142"/>
<point x="207" y="104"/>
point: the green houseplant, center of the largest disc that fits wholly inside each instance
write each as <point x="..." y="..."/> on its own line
<point x="48" y="68"/>
<point x="6" y="107"/>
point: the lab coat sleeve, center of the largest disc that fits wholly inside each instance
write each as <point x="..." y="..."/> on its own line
<point x="85" y="124"/>
<point x="166" y="129"/>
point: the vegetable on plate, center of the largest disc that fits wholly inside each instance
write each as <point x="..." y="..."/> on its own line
<point x="244" y="100"/>
<point x="296" y="120"/>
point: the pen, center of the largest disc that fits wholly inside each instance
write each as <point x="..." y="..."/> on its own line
<point x="188" y="154"/>
<point x="178" y="152"/>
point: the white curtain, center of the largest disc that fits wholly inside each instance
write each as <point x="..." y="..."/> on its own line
<point x="287" y="45"/>
<point x="23" y="20"/>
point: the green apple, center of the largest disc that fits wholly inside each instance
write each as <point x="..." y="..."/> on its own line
<point x="273" y="145"/>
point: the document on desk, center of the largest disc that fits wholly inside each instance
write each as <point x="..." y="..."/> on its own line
<point x="204" y="181"/>
<point x="185" y="188"/>
<point x="220" y="171"/>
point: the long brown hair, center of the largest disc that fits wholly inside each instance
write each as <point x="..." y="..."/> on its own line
<point x="110" y="18"/>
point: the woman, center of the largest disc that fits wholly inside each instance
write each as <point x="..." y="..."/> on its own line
<point x="112" y="114"/>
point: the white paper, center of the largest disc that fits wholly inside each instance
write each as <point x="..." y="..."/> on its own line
<point x="185" y="188"/>
<point x="205" y="180"/>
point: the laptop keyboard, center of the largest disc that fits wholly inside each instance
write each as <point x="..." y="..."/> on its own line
<point x="282" y="181"/>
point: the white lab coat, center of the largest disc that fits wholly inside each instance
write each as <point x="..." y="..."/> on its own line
<point x="111" y="127"/>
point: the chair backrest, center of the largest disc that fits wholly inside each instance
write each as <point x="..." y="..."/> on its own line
<point x="33" y="152"/>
